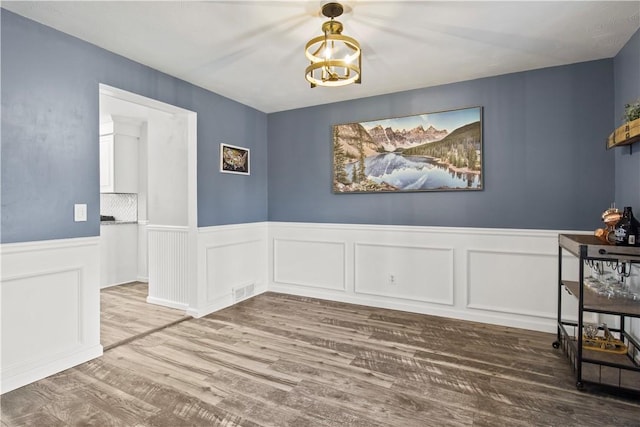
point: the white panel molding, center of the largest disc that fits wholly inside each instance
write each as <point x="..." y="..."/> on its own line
<point x="27" y="279"/>
<point x="361" y="285"/>
<point x="500" y="268"/>
<point x="228" y="257"/>
<point x="516" y="276"/>
<point x="305" y="274"/>
<point x="532" y="245"/>
<point x="168" y="265"/>
<point x="213" y="293"/>
<point x="50" y="308"/>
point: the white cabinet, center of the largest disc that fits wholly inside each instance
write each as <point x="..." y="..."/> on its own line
<point x="118" y="164"/>
<point x="118" y="254"/>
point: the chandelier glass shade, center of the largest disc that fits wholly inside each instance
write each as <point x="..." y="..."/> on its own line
<point x="335" y="59"/>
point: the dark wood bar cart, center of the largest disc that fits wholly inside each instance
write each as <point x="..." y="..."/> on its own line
<point x="618" y="365"/>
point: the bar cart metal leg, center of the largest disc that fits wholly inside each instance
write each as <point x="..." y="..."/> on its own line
<point x="556" y="343"/>
<point x="583" y="255"/>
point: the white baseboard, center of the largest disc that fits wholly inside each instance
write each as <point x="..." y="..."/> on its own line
<point x="23" y="375"/>
<point x="167" y="303"/>
<point x="220" y="303"/>
<point x="111" y="285"/>
<point x="534" y="324"/>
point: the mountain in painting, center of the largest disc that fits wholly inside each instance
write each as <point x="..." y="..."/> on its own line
<point x="354" y="137"/>
<point x="391" y="139"/>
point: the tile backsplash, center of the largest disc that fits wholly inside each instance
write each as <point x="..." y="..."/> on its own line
<point x="122" y="206"/>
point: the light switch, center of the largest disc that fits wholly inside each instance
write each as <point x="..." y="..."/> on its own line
<point x="80" y="212"/>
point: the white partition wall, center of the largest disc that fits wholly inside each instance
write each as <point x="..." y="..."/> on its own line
<point x="170" y="207"/>
<point x="50" y="306"/>
<point x="231" y="265"/>
<point x="506" y="277"/>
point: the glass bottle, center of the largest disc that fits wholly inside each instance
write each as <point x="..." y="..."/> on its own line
<point x="635" y="226"/>
<point x="627" y="229"/>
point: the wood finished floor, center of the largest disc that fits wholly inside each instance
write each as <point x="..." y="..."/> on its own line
<point x="125" y="314"/>
<point x="279" y="360"/>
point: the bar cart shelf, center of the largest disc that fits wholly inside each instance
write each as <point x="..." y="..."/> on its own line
<point x="592" y="365"/>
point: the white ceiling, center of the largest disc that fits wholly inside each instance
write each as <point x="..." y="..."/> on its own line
<point x="253" y="51"/>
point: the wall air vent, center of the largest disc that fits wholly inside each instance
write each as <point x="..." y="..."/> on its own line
<point x="243" y="292"/>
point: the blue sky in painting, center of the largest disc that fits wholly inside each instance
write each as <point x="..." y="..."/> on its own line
<point x="449" y="120"/>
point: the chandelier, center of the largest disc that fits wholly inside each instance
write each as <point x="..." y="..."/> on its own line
<point x="335" y="60"/>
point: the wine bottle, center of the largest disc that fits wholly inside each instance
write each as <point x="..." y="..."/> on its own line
<point x="627" y="229"/>
<point x="635" y="225"/>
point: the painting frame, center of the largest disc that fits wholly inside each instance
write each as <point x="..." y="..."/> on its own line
<point x="427" y="152"/>
<point x="234" y="159"/>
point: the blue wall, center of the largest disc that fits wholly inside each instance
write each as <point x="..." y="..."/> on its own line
<point x="626" y="67"/>
<point x="50" y="134"/>
<point x="545" y="162"/>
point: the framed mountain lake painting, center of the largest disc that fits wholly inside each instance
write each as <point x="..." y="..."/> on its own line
<point x="427" y="152"/>
<point x="234" y="159"/>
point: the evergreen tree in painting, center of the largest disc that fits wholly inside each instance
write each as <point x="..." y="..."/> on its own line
<point x="472" y="157"/>
<point x="339" y="159"/>
<point x="361" y="170"/>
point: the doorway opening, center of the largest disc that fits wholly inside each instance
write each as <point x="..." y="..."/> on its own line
<point x="148" y="213"/>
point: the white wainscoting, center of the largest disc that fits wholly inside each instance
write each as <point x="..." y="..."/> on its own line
<point x="168" y="266"/>
<point x="499" y="276"/>
<point x="230" y="258"/>
<point x="415" y="273"/>
<point x="493" y="279"/>
<point x="50" y="301"/>
<point x="300" y="259"/>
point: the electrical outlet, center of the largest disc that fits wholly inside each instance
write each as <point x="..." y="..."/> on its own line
<point x="392" y="279"/>
<point x="80" y="212"/>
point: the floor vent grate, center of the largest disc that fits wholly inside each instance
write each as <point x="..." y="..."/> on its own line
<point x="244" y="292"/>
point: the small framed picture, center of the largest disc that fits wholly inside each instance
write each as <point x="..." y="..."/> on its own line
<point x="234" y="159"/>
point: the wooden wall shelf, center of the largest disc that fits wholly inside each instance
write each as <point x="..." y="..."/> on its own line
<point x="626" y="134"/>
